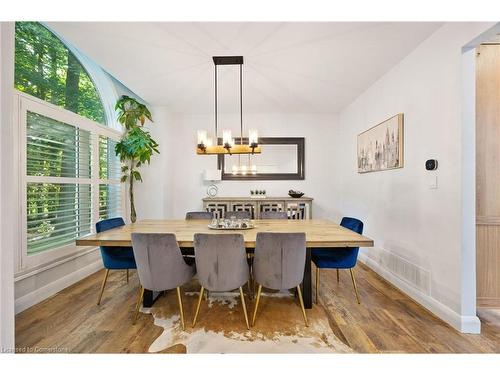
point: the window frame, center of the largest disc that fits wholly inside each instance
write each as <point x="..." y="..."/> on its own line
<point x="24" y="103"/>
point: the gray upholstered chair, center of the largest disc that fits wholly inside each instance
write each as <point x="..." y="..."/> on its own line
<point x="238" y="214"/>
<point x="160" y="265"/>
<point x="199" y="215"/>
<point x="273" y="215"/>
<point x="279" y="262"/>
<point x="221" y="263"/>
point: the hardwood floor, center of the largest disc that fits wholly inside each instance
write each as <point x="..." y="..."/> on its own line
<point x="386" y="321"/>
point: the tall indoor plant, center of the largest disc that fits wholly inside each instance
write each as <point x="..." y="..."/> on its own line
<point x="136" y="146"/>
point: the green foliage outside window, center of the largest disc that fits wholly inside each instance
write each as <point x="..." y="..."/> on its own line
<point x="58" y="212"/>
<point x="47" y="69"/>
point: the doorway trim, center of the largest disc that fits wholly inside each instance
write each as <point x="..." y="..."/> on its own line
<point x="470" y="322"/>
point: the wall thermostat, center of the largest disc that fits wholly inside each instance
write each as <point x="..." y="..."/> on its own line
<point x="431" y="164"/>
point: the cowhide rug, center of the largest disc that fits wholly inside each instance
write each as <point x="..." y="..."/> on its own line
<point x="279" y="325"/>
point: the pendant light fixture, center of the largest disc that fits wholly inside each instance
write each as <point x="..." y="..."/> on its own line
<point x="228" y="145"/>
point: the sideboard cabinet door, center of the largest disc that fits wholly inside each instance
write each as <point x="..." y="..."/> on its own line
<point x="298" y="210"/>
<point x="218" y="208"/>
<point x="274" y="206"/>
<point x="245" y="206"/>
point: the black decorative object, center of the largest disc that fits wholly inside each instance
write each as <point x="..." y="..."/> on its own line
<point x="295" y="193"/>
<point x="431" y="164"/>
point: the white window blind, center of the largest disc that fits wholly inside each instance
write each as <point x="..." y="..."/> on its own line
<point x="71" y="180"/>
<point x="57" y="212"/>
<point x="110" y="203"/>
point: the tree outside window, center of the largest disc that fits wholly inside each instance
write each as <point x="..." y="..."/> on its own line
<point x="48" y="70"/>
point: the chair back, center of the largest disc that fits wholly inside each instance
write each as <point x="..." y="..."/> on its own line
<point x="115" y="257"/>
<point x="108" y="224"/>
<point x="350" y="254"/>
<point x="273" y="215"/>
<point x="199" y="215"/>
<point x="353" y="224"/>
<point x="279" y="259"/>
<point x="238" y="214"/>
<point x="160" y="264"/>
<point x="221" y="261"/>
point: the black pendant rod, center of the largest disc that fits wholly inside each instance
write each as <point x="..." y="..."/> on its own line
<point x="216" y="138"/>
<point x="241" y="107"/>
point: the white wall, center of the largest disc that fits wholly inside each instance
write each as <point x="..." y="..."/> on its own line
<point x="152" y="195"/>
<point x="6" y="187"/>
<point x="175" y="178"/>
<point x="414" y="224"/>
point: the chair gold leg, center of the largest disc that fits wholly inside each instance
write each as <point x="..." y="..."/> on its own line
<point x="127" y="275"/>
<point x="302" y="306"/>
<point x="338" y="276"/>
<point x="198" y="306"/>
<point x="244" y="306"/>
<point x="355" y="286"/>
<point x="317" y="284"/>
<point x="180" y="307"/>
<point x="259" y="290"/>
<point x="138" y="304"/>
<point x="102" y="287"/>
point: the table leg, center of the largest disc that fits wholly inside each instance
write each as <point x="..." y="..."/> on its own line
<point x="149" y="298"/>
<point x="307" y="282"/>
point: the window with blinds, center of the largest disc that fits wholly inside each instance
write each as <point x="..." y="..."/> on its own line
<point x="109" y="163"/>
<point x="72" y="177"/>
<point x="56" y="214"/>
<point x="109" y="201"/>
<point x="109" y="171"/>
<point x="58" y="163"/>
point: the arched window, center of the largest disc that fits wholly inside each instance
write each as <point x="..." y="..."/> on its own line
<point x="69" y="170"/>
<point x="48" y="70"/>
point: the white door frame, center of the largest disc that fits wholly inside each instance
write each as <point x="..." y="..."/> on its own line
<point x="7" y="180"/>
<point x="470" y="322"/>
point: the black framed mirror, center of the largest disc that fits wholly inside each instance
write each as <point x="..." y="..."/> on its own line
<point x="282" y="158"/>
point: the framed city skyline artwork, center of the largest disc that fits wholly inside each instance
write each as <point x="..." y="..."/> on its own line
<point x="381" y="147"/>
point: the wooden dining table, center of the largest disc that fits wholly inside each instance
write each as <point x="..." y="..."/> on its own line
<point x="319" y="234"/>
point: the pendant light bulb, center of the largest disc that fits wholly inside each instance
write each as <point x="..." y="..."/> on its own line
<point x="202" y="137"/>
<point x="227" y="138"/>
<point x="253" y="137"/>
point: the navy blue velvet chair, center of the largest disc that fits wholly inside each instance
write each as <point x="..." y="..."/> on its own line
<point x="339" y="258"/>
<point x="114" y="257"/>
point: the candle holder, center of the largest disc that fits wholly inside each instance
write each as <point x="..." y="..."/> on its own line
<point x="202" y="147"/>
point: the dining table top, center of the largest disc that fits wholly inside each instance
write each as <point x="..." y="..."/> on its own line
<point x="319" y="233"/>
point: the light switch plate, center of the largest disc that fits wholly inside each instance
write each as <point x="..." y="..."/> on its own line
<point x="432" y="182"/>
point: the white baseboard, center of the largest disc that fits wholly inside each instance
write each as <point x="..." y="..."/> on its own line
<point x="36" y="296"/>
<point x="462" y="323"/>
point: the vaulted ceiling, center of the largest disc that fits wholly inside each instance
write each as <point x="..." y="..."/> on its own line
<point x="288" y="67"/>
